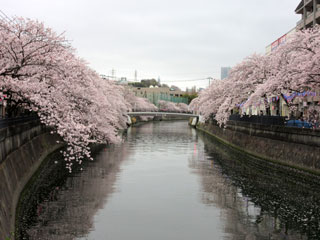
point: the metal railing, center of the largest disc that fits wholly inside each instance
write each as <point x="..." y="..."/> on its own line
<point x="161" y="114"/>
<point x="264" y="120"/>
<point x="7" y="122"/>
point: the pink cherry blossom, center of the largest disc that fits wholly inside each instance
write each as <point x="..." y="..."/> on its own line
<point x="137" y="104"/>
<point x="40" y="71"/>
<point x="293" y="67"/>
<point x="172" y="107"/>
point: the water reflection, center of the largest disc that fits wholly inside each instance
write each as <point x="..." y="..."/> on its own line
<point x="158" y="197"/>
<point x="259" y="200"/>
<point x="68" y="211"/>
<point x="166" y="181"/>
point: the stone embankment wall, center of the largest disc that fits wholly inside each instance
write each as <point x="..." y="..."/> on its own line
<point x="23" y="148"/>
<point x="293" y="147"/>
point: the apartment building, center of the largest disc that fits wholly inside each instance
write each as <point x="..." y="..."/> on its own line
<point x="310" y="13"/>
<point x="154" y="94"/>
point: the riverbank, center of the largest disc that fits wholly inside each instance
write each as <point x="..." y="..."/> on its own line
<point x="293" y="149"/>
<point x="169" y="181"/>
<point x="24" y="150"/>
<point x="49" y="177"/>
<point x="15" y="171"/>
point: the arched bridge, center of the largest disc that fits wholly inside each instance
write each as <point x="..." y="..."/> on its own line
<point x="156" y="114"/>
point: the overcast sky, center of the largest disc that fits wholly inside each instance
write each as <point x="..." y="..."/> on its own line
<point x="170" y="39"/>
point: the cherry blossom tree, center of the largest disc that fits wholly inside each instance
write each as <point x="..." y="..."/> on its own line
<point x="242" y="82"/>
<point x="39" y="70"/>
<point x="184" y="108"/>
<point x="144" y="105"/>
<point x="167" y="106"/>
<point x="209" y="100"/>
<point x="293" y="67"/>
<point x="223" y="96"/>
<point x="137" y="104"/>
<point x="299" y="63"/>
<point x="173" y="107"/>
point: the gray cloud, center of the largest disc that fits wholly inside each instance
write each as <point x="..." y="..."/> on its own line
<point x="172" y="39"/>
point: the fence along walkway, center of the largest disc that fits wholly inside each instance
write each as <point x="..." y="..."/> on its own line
<point x="7" y="122"/>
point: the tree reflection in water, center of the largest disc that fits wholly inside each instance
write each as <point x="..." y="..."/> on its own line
<point x="259" y="200"/>
<point x="244" y="197"/>
<point x="68" y="212"/>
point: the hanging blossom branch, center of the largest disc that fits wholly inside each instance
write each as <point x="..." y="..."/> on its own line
<point x="40" y="68"/>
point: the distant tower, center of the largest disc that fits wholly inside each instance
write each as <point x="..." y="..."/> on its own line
<point x="135" y="76"/>
<point x="225" y="72"/>
<point x="159" y="81"/>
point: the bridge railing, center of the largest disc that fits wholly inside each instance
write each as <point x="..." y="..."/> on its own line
<point x="161" y="114"/>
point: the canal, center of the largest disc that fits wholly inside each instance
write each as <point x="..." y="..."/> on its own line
<point x="169" y="182"/>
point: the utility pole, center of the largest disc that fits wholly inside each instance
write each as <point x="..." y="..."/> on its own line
<point x="135" y="76"/>
<point x="113" y="74"/>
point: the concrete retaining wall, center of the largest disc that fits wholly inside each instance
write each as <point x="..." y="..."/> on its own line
<point x="11" y="138"/>
<point x="23" y="148"/>
<point x="294" y="147"/>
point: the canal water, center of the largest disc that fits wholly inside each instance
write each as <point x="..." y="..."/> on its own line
<point x="169" y="182"/>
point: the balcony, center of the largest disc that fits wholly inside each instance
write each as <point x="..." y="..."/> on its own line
<point x="308" y="4"/>
<point x="300" y="24"/>
<point x="309" y="19"/>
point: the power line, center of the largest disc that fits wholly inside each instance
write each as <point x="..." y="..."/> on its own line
<point x="8" y="20"/>
<point x="186" y="80"/>
<point x="180" y="80"/>
<point x="165" y="81"/>
<point x="5" y="17"/>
